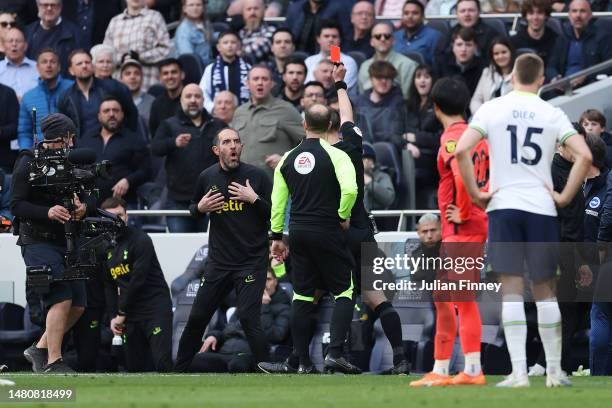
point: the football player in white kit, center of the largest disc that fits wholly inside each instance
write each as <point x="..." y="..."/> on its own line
<point x="522" y="131"/>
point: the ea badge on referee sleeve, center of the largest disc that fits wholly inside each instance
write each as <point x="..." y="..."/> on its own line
<point x="304" y="163"/>
<point x="450" y="146"/>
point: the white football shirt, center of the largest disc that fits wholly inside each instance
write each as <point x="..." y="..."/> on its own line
<point x="522" y="131"/>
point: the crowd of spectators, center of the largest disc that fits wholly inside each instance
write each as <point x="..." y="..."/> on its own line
<point x="258" y="75"/>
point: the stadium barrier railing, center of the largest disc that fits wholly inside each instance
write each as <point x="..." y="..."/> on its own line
<point x="401" y="224"/>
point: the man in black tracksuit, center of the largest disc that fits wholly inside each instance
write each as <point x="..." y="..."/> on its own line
<point x="143" y="308"/>
<point x="236" y="196"/>
<point x="185" y="140"/>
<point x="321" y="181"/>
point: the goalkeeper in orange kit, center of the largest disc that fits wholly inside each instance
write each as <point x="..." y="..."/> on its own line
<point x="464" y="232"/>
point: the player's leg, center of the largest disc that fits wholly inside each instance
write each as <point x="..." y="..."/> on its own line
<point x="542" y="261"/>
<point x="159" y="335"/>
<point x="210" y="294"/>
<point x="470" y="325"/>
<point x="86" y="334"/>
<point x="303" y="309"/>
<point x="599" y="338"/>
<point x="392" y="326"/>
<point x="249" y="291"/>
<point x="444" y="341"/>
<point x="136" y="350"/>
<point x="335" y="263"/>
<point x="506" y="255"/>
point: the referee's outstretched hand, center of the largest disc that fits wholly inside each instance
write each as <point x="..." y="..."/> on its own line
<point x="211" y="202"/>
<point x="339" y="72"/>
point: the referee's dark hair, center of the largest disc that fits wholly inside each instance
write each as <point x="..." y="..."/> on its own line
<point x="317" y="118"/>
<point x="451" y="96"/>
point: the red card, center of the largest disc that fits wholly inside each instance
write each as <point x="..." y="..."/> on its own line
<point x="334" y="53"/>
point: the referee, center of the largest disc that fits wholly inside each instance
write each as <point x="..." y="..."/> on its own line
<point x="321" y="181"/>
<point x="236" y="195"/>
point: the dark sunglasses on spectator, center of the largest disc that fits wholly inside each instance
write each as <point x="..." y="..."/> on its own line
<point x="382" y="36"/>
<point x="7" y="24"/>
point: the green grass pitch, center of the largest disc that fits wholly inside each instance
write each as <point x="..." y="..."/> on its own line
<point x="317" y="391"/>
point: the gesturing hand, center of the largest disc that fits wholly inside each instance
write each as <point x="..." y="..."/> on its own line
<point x="242" y="193"/>
<point x="211" y="202"/>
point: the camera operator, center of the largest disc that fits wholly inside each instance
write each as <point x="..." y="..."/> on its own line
<point x="143" y="308"/>
<point x="41" y="217"/>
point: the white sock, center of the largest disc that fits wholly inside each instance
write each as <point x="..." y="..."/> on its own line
<point x="549" y="326"/>
<point x="472" y="364"/>
<point x="515" y="329"/>
<point x="441" y="367"/>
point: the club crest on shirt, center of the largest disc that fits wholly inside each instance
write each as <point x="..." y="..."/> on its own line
<point x="595" y="202"/>
<point x="450" y="146"/>
<point x="304" y="163"/>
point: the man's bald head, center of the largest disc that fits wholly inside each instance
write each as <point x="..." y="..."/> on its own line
<point x="192" y="100"/>
<point x="317" y="118"/>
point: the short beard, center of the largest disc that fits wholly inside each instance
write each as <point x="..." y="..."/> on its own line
<point x="193" y="113"/>
<point x="112" y="129"/>
<point x="230" y="164"/>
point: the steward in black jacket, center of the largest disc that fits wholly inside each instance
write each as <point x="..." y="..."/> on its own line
<point x="138" y="295"/>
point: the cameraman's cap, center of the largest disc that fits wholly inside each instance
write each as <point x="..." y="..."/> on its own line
<point x="57" y="125"/>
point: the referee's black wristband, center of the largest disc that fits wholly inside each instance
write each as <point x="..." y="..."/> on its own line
<point x="275" y="236"/>
<point x="340" y="85"/>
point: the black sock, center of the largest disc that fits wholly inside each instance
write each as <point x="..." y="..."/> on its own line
<point x="392" y="326"/>
<point x="301" y="324"/>
<point x="340" y="325"/>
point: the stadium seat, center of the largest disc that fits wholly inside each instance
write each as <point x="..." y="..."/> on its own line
<point x="358" y="56"/>
<point x="416" y="57"/>
<point x="498" y="25"/>
<point x="386" y="155"/>
<point x="440" y="25"/>
<point x="16" y="333"/>
<point x="192" y="66"/>
<point x="418" y="322"/>
<point x="194" y="270"/>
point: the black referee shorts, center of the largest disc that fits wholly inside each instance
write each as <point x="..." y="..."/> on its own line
<point x="320" y="260"/>
<point x="355" y="237"/>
